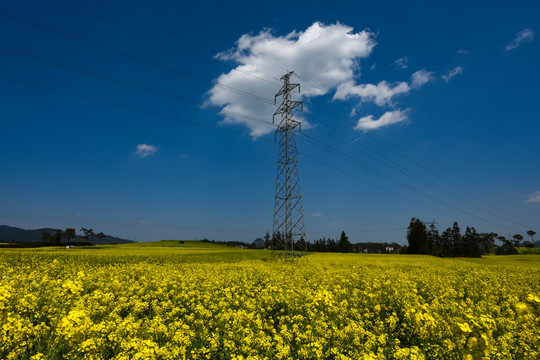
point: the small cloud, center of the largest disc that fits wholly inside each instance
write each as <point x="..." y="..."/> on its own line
<point x="421" y="77"/>
<point x="390" y="117"/>
<point x="381" y="94"/>
<point x="373" y="67"/>
<point x="453" y="72"/>
<point x="145" y="150"/>
<point x="463" y="51"/>
<point x="402" y="63"/>
<point x="525" y="35"/>
<point x="533" y="198"/>
<point x="183" y="156"/>
<point x="316" y="215"/>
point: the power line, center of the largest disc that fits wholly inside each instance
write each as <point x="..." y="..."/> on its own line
<point x="209" y="34"/>
<point x="398" y="182"/>
<point x="228" y="131"/>
<point x="126" y="84"/>
<point x="452" y="173"/>
<point x="238" y="115"/>
<point x="407" y="172"/>
<point x="129" y="55"/>
<point x="373" y="184"/>
<point x="114" y="223"/>
<point x="429" y="171"/>
<point x="158" y="40"/>
<point x="125" y="107"/>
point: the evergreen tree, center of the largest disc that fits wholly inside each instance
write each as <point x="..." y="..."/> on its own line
<point x="447" y="249"/>
<point x="267" y="243"/>
<point x="456" y="240"/>
<point x="434" y="241"/>
<point x="417" y="237"/>
<point x="332" y="245"/>
<point x="344" y="244"/>
<point x="471" y="243"/>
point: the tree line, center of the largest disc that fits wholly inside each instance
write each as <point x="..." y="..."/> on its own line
<point x="69" y="234"/>
<point x="452" y="243"/>
<point x="341" y="244"/>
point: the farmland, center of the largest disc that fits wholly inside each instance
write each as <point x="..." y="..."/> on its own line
<point x="169" y="300"/>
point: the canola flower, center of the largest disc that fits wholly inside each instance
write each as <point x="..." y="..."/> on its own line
<point x="118" y="304"/>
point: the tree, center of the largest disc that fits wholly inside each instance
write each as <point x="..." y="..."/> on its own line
<point x="69" y="234"/>
<point x="531" y="233"/>
<point x="517" y="239"/>
<point x="267" y="240"/>
<point x="434" y="241"/>
<point x="87" y="233"/>
<point x="344" y="244"/>
<point x="46" y="237"/>
<point x="487" y="242"/>
<point x="471" y="243"/>
<point x="57" y="237"/>
<point x="417" y="237"/>
<point x="456" y="240"/>
<point x="301" y="245"/>
<point x="332" y="245"/>
<point x="507" y="248"/>
<point x="447" y="248"/>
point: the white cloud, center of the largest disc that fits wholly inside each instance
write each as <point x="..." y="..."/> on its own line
<point x="390" y="117"/>
<point x="533" y="198"/>
<point x="326" y="60"/>
<point x="525" y="35"/>
<point x="381" y="94"/>
<point x="463" y="51"/>
<point x="421" y="77"/>
<point x="144" y="150"/>
<point x="324" y="56"/>
<point x="453" y="72"/>
<point x="402" y="63"/>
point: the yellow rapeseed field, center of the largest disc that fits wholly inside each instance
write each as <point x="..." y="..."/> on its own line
<point x="205" y="302"/>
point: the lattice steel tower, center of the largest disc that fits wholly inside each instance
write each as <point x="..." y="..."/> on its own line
<point x="288" y="230"/>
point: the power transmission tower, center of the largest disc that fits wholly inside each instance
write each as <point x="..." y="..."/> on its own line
<point x="288" y="231"/>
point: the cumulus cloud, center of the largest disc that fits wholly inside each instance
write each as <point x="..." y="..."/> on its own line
<point x="525" y="35"/>
<point x="453" y="72"/>
<point x="533" y="198"/>
<point x="323" y="56"/>
<point x="383" y="93"/>
<point x="145" y="150"/>
<point x="326" y="60"/>
<point x="390" y="117"/>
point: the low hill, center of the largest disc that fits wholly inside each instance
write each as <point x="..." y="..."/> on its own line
<point x="9" y="234"/>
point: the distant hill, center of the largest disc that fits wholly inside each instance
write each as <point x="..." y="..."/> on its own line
<point x="9" y="234"/>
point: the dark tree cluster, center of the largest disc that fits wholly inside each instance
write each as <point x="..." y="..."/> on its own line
<point x="452" y="243"/>
<point x="69" y="234"/>
<point x="341" y="244"/>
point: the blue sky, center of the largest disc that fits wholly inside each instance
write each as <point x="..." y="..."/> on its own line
<point x="123" y="116"/>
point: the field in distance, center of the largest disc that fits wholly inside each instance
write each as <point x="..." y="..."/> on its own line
<point x="196" y="300"/>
